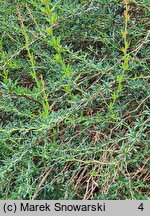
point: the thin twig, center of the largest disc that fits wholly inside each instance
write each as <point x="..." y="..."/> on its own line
<point x="42" y="182"/>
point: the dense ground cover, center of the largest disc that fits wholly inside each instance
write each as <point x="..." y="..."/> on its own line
<point x="74" y="99"/>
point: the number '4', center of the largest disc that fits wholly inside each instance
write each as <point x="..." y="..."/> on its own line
<point x="141" y="207"/>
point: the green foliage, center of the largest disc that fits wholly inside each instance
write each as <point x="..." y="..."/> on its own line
<point x="74" y="100"/>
